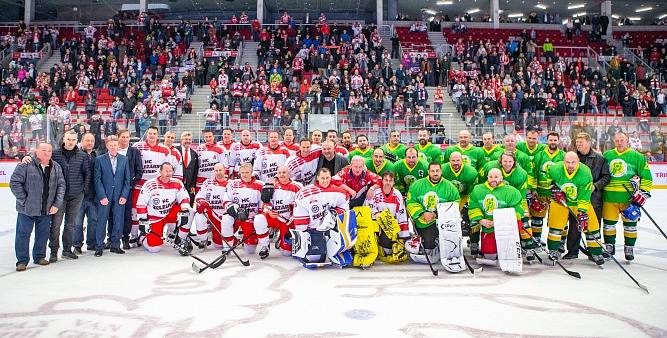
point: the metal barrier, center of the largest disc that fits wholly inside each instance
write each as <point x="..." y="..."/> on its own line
<point x="259" y="126"/>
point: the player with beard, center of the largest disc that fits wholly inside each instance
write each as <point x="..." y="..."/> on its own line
<point x="244" y="151"/>
<point x="409" y="170"/>
<point x="347" y="141"/>
<point x="428" y="151"/>
<point x="269" y="158"/>
<point x="471" y="155"/>
<point x="378" y="164"/>
<point x="363" y="148"/>
<point x="395" y="147"/>
<point x="303" y="164"/>
<point x="489" y="146"/>
<point x="539" y="203"/>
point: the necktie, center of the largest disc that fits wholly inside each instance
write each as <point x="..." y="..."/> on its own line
<point x="186" y="158"/>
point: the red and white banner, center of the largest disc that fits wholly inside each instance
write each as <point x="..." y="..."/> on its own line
<point x="422" y="55"/>
<point x="6" y="170"/>
<point x="26" y="55"/>
<point x="659" y="172"/>
<point x="220" y="53"/>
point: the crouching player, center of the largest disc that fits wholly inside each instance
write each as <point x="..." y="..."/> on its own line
<point x="208" y="203"/>
<point x="159" y="203"/>
<point x="242" y="203"/>
<point x="278" y="205"/>
<point x="486" y="197"/>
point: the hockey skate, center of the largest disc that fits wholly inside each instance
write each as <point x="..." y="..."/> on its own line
<point x="629" y="253"/>
<point x="552" y="258"/>
<point x="597" y="259"/>
<point x="609" y="250"/>
<point x="264" y="252"/>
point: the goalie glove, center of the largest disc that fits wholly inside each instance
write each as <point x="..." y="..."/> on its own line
<point x="558" y="195"/>
<point x="267" y="192"/>
<point x="640" y="197"/>
<point x="203" y="206"/>
<point x="582" y="218"/>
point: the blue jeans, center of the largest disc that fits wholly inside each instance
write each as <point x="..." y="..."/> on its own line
<point x="88" y="210"/>
<point x="24" y="225"/>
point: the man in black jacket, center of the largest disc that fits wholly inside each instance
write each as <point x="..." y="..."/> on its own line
<point x="190" y="162"/>
<point x="600" y="171"/>
<point x="136" y="170"/>
<point x="88" y="208"/>
<point x="75" y="166"/>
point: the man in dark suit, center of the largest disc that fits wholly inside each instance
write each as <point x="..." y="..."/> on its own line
<point x="190" y="163"/>
<point x="136" y="170"/>
<point x="330" y="159"/>
<point x="112" y="188"/>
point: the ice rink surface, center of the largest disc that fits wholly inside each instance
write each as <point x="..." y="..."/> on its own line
<point x="156" y="295"/>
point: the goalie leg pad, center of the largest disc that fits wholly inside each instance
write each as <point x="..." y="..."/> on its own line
<point x="450" y="237"/>
<point x="366" y="246"/>
<point x="317" y="250"/>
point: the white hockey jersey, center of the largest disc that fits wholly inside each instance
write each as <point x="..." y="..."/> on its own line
<point x="245" y="195"/>
<point x="241" y="153"/>
<point x="313" y="202"/>
<point x="227" y="148"/>
<point x="304" y="169"/>
<point x="152" y="158"/>
<point x="292" y="148"/>
<point x="156" y="199"/>
<point x="209" y="156"/>
<point x="177" y="161"/>
<point x="283" y="198"/>
<point x="213" y="192"/>
<point x="378" y="202"/>
<point x="267" y="162"/>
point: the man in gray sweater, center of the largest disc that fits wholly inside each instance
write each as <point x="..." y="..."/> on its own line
<point x="39" y="188"/>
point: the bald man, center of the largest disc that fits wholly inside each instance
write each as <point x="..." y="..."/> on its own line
<point x="471" y="155"/>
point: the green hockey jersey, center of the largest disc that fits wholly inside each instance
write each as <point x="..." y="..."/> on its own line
<point x="429" y="153"/>
<point x="386" y="166"/>
<point x="622" y="167"/>
<point x="542" y="161"/>
<point x="523" y="146"/>
<point x="406" y="175"/>
<point x="464" y="180"/>
<point x="366" y="154"/>
<point x="424" y="196"/>
<point x="490" y="152"/>
<point x="517" y="177"/>
<point x="398" y="151"/>
<point x="471" y="155"/>
<point x="576" y="186"/>
<point x="523" y="161"/>
<point x="484" y="199"/>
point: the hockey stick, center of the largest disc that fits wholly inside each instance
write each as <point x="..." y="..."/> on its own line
<point x="231" y="248"/>
<point x="569" y="272"/>
<point x="428" y="260"/>
<point x="647" y="214"/>
<point x="641" y="286"/>
<point x="470" y="267"/>
<point x="216" y="262"/>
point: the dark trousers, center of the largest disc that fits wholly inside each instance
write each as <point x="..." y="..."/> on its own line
<point x="69" y="211"/>
<point x="429" y="236"/>
<point x="116" y="230"/>
<point x="574" y="235"/>
<point x="24" y="226"/>
<point x="127" y="216"/>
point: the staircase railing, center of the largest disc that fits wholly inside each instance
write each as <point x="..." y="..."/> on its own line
<point x="239" y="54"/>
<point x="630" y="55"/>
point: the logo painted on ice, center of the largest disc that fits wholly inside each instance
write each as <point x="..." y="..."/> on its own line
<point x="618" y="167"/>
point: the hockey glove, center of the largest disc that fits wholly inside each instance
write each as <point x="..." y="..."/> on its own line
<point x="183" y="218"/>
<point x="232" y="210"/>
<point x="203" y="206"/>
<point x="143" y="227"/>
<point x="267" y="192"/>
<point x="242" y="214"/>
<point x="582" y="218"/>
<point x="557" y="195"/>
<point x="640" y="197"/>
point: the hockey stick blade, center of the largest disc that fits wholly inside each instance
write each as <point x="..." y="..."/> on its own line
<point x="430" y="265"/>
<point x="569" y="272"/>
<point x="197" y="269"/>
<point x="640" y="285"/>
<point x="647" y="214"/>
<point x="472" y="269"/>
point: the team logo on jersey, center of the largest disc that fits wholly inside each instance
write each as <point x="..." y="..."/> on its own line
<point x="459" y="186"/>
<point x="546" y="166"/>
<point x="466" y="159"/>
<point x="235" y="200"/>
<point x="315" y="208"/>
<point x="490" y="203"/>
<point x="430" y="201"/>
<point x="422" y="157"/>
<point x="409" y="179"/>
<point x="156" y="200"/>
<point x="618" y="167"/>
<point x="570" y="190"/>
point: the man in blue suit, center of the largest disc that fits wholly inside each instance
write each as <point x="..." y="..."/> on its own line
<point x="136" y="170"/>
<point x="112" y="188"/>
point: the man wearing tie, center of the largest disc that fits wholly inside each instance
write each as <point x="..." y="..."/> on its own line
<point x="112" y="188"/>
<point x="190" y="163"/>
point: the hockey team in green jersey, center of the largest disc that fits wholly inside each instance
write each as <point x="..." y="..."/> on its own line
<point x="428" y="151"/>
<point x="394" y="149"/>
<point x="471" y="155"/>
<point x="409" y="170"/>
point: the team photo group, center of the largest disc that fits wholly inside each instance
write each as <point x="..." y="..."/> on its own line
<point x="331" y="200"/>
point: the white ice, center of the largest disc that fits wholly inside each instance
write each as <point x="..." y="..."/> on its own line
<point x="154" y="295"/>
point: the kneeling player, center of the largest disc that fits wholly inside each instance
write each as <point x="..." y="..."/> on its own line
<point x="208" y="202"/>
<point x="278" y="204"/>
<point x="424" y="195"/>
<point x="388" y="210"/>
<point x="159" y="203"/>
<point x="484" y="199"/>
<point x="242" y="202"/>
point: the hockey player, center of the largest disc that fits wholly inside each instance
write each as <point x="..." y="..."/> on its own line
<point x="489" y="147"/>
<point x="573" y="185"/>
<point x="210" y="154"/>
<point x="378" y="164"/>
<point x="158" y="204"/>
<point x="628" y="168"/>
<point x="316" y="137"/>
<point x="389" y="199"/>
<point x="363" y="148"/>
<point x="355" y="177"/>
<point x="522" y="160"/>
<point x="428" y="151"/>
<point x="226" y="145"/>
<point x="269" y="158"/>
<point x="464" y="178"/>
<point x="242" y="202"/>
<point x="409" y="170"/>
<point x="531" y="146"/>
<point x="153" y="155"/>
<point x="471" y="155"/>
<point x="312" y="204"/>
<point x="278" y="206"/>
<point x="244" y="151"/>
<point x="395" y="147"/>
<point x="422" y="203"/>
<point x="288" y="141"/>
<point x="516" y="177"/>
<point x="346" y="136"/>
<point x="332" y="136"/>
<point x="209" y="205"/>
<point x="485" y="198"/>
<point x="303" y="164"/>
<point x="176" y="160"/>
<point x="539" y="203"/>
